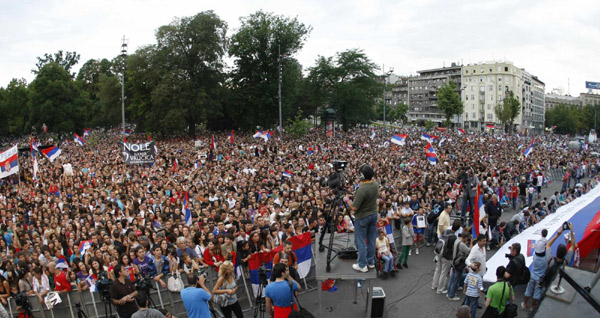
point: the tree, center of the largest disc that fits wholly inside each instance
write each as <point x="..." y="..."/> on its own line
<point x="564" y="118"/>
<point x="449" y="101"/>
<point x="346" y="84"/>
<point x="429" y="124"/>
<point x="298" y="127"/>
<point x="264" y="40"/>
<point x="508" y="111"/>
<point x="13" y="107"/>
<point x="66" y="61"/>
<point x="399" y="112"/>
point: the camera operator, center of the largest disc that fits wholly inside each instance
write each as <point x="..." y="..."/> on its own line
<point x="196" y="297"/>
<point x="123" y="292"/>
<point x="365" y="225"/>
<point x="144" y="312"/>
<point x="516" y="265"/>
<point x="279" y="293"/>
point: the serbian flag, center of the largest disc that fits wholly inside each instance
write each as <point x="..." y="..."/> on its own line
<point x="155" y="149"/>
<point x="87" y="132"/>
<point x="479" y="212"/>
<point x="528" y="151"/>
<point x="385" y="224"/>
<point x="309" y="151"/>
<point x="428" y="138"/>
<point x="230" y="138"/>
<point x="127" y="132"/>
<point x="431" y="155"/>
<point x="256" y="261"/>
<point x="265" y="135"/>
<point x="213" y="145"/>
<point x="62" y="263"/>
<point x="461" y="131"/>
<point x="302" y="246"/>
<point x="186" y="210"/>
<point x="9" y="162"/>
<point x="78" y="139"/>
<point x="288" y="174"/>
<point x="372" y="134"/>
<point x="399" y="139"/>
<point x="51" y="153"/>
<point x="84" y="246"/>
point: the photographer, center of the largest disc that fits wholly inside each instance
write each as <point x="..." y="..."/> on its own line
<point x="123" y="292"/>
<point x="516" y="265"/>
<point x="365" y="227"/>
<point x="196" y="297"/>
<point x="278" y="294"/>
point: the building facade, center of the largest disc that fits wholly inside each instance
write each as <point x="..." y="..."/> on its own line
<point x="538" y="102"/>
<point x="484" y="87"/>
<point x="589" y="99"/>
<point x="552" y="100"/>
<point x="422" y="92"/>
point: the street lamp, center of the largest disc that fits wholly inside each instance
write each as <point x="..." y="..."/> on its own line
<point x="385" y="76"/>
<point x="124" y="42"/>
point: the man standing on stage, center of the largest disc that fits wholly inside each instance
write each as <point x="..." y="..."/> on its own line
<point x="365" y="224"/>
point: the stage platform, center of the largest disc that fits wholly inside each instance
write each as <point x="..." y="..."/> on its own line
<point x="341" y="269"/>
<point x="570" y="303"/>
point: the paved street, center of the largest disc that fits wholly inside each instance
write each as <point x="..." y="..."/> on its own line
<point x="409" y="294"/>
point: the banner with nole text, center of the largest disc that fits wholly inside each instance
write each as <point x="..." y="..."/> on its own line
<point x="135" y="154"/>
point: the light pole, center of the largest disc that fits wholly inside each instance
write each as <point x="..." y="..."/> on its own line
<point x="279" y="90"/>
<point x="124" y="42"/>
<point x="385" y="76"/>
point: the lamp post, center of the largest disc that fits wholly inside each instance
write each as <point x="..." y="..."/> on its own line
<point x="385" y="76"/>
<point x="124" y="42"/>
<point x="279" y="90"/>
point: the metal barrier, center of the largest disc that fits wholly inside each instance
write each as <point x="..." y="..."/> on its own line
<point x="94" y="307"/>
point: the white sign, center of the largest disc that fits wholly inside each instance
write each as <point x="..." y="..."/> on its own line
<point x="68" y="168"/>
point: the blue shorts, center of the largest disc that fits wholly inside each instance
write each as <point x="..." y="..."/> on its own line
<point x="534" y="289"/>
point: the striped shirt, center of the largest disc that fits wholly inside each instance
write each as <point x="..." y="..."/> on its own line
<point x="474" y="283"/>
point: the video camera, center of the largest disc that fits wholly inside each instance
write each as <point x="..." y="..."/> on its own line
<point x="22" y="301"/>
<point x="103" y="284"/>
<point x="262" y="274"/>
<point x="336" y="180"/>
<point x="143" y="284"/>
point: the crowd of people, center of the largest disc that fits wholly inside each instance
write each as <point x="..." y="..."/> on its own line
<point x="64" y="231"/>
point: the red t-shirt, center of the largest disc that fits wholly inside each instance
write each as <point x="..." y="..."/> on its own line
<point x="61" y="282"/>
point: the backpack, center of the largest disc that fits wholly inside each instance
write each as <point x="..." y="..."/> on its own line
<point x="431" y="217"/>
<point x="458" y="262"/>
<point x="439" y="246"/>
<point x="448" y="246"/>
<point x="525" y="274"/>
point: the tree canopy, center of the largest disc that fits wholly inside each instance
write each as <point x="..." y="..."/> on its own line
<point x="449" y="101"/>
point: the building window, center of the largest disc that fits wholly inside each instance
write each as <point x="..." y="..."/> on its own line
<point x="489" y="106"/>
<point x="506" y="68"/>
<point x="472" y="87"/>
<point x="466" y="71"/>
<point x="499" y="68"/>
<point x="472" y="96"/>
<point x="489" y="116"/>
<point x="474" y="115"/>
<point x="491" y="97"/>
<point x="491" y="88"/>
<point x="482" y="88"/>
<point x="466" y="97"/>
<point x="499" y="88"/>
<point x="499" y="78"/>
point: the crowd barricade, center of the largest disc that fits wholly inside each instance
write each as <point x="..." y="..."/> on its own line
<point x="93" y="306"/>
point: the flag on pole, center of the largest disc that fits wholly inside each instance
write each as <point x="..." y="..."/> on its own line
<point x="155" y="149"/>
<point x="213" y="145"/>
<point x="87" y="132"/>
<point x="479" y="213"/>
<point x="461" y="131"/>
<point x="186" y="210"/>
<point x="387" y="226"/>
<point x="265" y="135"/>
<point x="34" y="159"/>
<point x="9" y="162"/>
<point x="51" y="153"/>
<point x="442" y="141"/>
<point x="399" y="139"/>
<point x="78" y="139"/>
<point x="528" y="151"/>
<point x="431" y="155"/>
<point x="230" y="138"/>
<point x="288" y="174"/>
<point x="429" y="138"/>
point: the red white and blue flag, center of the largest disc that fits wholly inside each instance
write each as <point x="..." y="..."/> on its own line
<point x="9" y="162"/>
<point x="87" y="132"/>
<point x="528" y="151"/>
<point x="51" y="153"/>
<point x="230" y="138"/>
<point x="399" y="139"/>
<point x="490" y="126"/>
<point x="34" y="149"/>
<point x="479" y="213"/>
<point x="78" y="139"/>
<point x="385" y="224"/>
<point x="288" y="174"/>
<point x="431" y="155"/>
<point x="372" y="134"/>
<point x="84" y="246"/>
<point x="127" y="132"/>
<point x="429" y="138"/>
<point x="186" y="210"/>
<point x="213" y="144"/>
<point x="265" y="135"/>
<point x="461" y="131"/>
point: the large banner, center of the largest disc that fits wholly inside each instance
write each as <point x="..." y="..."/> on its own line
<point x="135" y="154"/>
<point x="584" y="213"/>
<point x="9" y="163"/>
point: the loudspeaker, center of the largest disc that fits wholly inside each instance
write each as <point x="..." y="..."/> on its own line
<point x="378" y="304"/>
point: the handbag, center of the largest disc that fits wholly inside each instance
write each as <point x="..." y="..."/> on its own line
<point x="221" y="299"/>
<point x="302" y="313"/>
<point x="492" y="312"/>
<point x="510" y="311"/>
<point x="175" y="283"/>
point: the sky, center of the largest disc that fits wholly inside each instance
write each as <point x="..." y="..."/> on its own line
<point x="557" y="41"/>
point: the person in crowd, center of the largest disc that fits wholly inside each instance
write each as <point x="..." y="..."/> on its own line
<point x="385" y="253"/>
<point x="516" y="265"/>
<point x="460" y="252"/>
<point x="123" y="292"/>
<point x="293" y="259"/>
<point x="407" y="242"/>
<point x="196" y="296"/>
<point x="499" y="293"/>
<point x="478" y="254"/>
<point x="473" y="287"/>
<point x="226" y="285"/>
<point x="281" y="293"/>
<point x="144" y="312"/>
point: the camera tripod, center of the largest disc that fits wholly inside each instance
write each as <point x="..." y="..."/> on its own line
<point x="107" y="305"/>
<point x="80" y="312"/>
<point x="330" y="220"/>
<point x="259" y="303"/>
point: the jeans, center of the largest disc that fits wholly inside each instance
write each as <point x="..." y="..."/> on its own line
<point x="404" y="254"/>
<point x="365" y="234"/>
<point x="431" y="232"/>
<point x="471" y="203"/>
<point x="440" y="277"/>
<point x="472" y="302"/>
<point x="529" y="199"/>
<point x="514" y="203"/>
<point x="388" y="262"/>
<point x="456" y="279"/>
